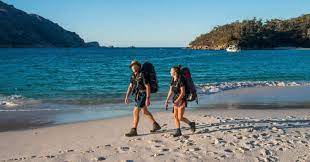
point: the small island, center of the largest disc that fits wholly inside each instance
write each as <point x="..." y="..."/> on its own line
<point x="257" y="34"/>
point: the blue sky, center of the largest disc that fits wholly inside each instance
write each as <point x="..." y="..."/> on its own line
<point x="154" y="23"/>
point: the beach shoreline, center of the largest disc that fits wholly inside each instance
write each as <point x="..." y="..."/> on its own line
<point x="291" y="97"/>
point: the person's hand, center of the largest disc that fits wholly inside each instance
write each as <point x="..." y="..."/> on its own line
<point x="147" y="101"/>
<point x="166" y="104"/>
<point x="126" y="101"/>
<point x="177" y="103"/>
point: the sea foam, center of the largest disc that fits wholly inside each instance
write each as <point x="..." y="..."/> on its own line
<point x="211" y="88"/>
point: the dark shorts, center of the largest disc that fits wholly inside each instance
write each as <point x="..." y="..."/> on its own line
<point x="140" y="100"/>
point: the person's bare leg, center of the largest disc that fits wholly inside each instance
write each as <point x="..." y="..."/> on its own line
<point x="146" y="112"/>
<point x="181" y="114"/>
<point x="135" y="114"/>
<point x="185" y="120"/>
<point x="177" y="122"/>
<point x="133" y="131"/>
<point x="176" y="119"/>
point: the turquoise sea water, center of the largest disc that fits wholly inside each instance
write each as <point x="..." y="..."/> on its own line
<point x="101" y="75"/>
<point x="62" y="79"/>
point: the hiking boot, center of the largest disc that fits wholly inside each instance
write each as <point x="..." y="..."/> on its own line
<point x="177" y="133"/>
<point x="192" y="126"/>
<point x="133" y="132"/>
<point x="156" y="127"/>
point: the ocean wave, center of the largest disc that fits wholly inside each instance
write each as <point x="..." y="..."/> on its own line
<point x="21" y="103"/>
<point x="28" y="110"/>
<point x="13" y="101"/>
<point x="211" y="88"/>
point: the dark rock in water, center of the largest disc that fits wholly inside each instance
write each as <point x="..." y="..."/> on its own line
<point x="20" y="29"/>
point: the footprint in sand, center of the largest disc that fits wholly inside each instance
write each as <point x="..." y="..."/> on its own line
<point x="164" y="150"/>
<point x="265" y="152"/>
<point x="211" y="153"/>
<point x="272" y="159"/>
<point x="194" y="149"/>
<point x="22" y="158"/>
<point x="218" y="141"/>
<point x="185" y="137"/>
<point x="228" y="150"/>
<point x="220" y="158"/>
<point x="89" y="151"/>
<point x="261" y="159"/>
<point x="124" y="148"/>
<point x="50" y="156"/>
<point x="101" y="158"/>
<point x="135" y="139"/>
<point x="155" y="141"/>
<point x="108" y="145"/>
<point x="157" y="154"/>
<point x="167" y="135"/>
<point x="157" y="146"/>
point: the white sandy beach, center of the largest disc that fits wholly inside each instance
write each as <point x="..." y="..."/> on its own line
<point x="222" y="135"/>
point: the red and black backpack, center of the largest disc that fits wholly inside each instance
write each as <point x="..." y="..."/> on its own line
<point x="190" y="88"/>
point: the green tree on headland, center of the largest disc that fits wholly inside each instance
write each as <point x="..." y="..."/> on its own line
<point x="256" y="34"/>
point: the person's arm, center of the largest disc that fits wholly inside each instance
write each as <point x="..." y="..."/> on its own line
<point x="169" y="94"/>
<point x="168" y="97"/>
<point x="129" y="89"/>
<point x="182" y="94"/>
<point x="148" y="92"/>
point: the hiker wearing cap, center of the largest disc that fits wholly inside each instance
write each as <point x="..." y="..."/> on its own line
<point x="140" y="87"/>
<point x="177" y="88"/>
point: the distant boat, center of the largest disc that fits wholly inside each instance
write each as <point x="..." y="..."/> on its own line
<point x="233" y="48"/>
